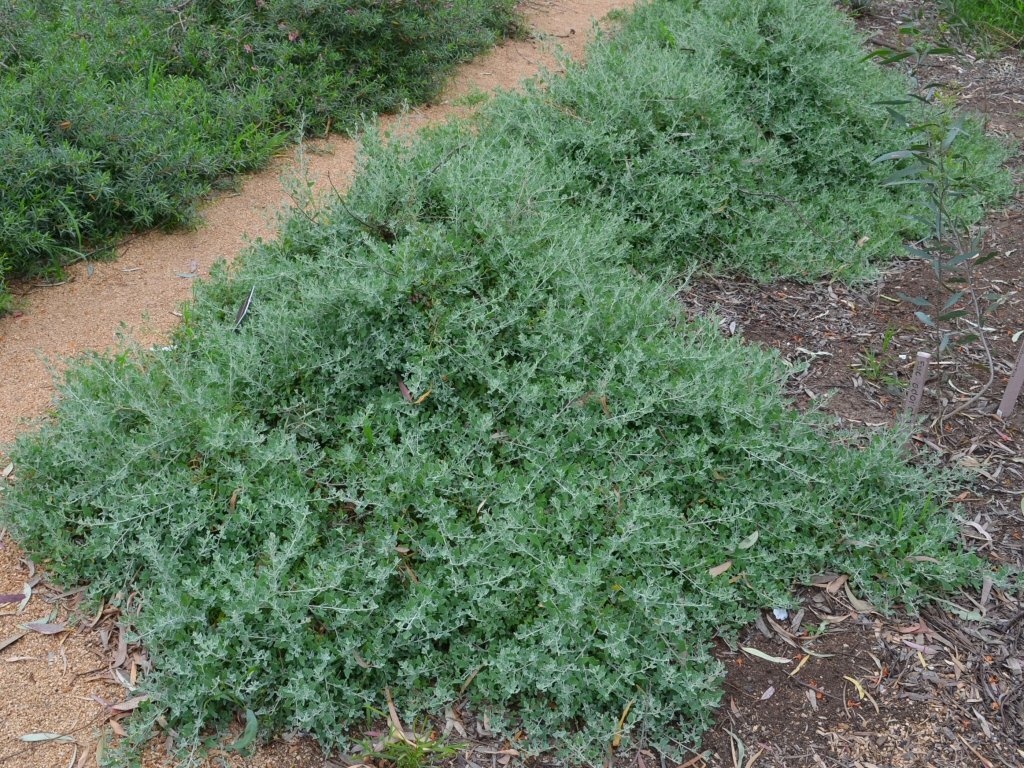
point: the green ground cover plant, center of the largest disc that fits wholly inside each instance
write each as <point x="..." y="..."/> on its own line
<point x="1000" y="20"/>
<point x="545" y="511"/>
<point x="466" y="442"/>
<point x="740" y="136"/>
<point x="119" y="116"/>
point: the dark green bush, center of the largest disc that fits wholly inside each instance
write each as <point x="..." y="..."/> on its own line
<point x="117" y="116"/>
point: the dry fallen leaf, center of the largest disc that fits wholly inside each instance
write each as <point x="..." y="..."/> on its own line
<point x="617" y="739"/>
<point x="122" y="649"/>
<point x="920" y="628"/>
<point x="405" y="391"/>
<point x="452" y="722"/>
<point x="834" y="619"/>
<point x="37" y="737"/>
<point x="856" y="684"/>
<point x="83" y="759"/>
<point x="749" y="541"/>
<point x="765" y="656"/>
<point x="800" y="665"/>
<point x="718" y="570"/>
<point x="813" y="698"/>
<point x="243" y="311"/>
<point x="837" y="584"/>
<point x="27" y="594"/>
<point x="861" y="606"/>
<point x="129" y="705"/>
<point x="44" y="628"/>
<point x="396" y="724"/>
<point x="12" y="639"/>
<point x="361" y="661"/>
<point x="489" y="751"/>
<point x="980" y="529"/>
<point x="784" y="634"/>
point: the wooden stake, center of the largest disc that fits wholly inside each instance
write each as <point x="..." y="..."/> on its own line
<point x="917" y="382"/>
<point x="1013" y="388"/>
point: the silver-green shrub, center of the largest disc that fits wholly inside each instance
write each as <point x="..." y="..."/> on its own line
<point x="461" y="437"/>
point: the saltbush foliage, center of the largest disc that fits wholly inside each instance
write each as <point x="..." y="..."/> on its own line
<point x="117" y="116"/>
<point x="463" y="443"/>
<point x="544" y="512"/>
<point x="740" y="135"/>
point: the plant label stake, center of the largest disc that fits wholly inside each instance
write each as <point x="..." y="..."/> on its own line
<point x="1013" y="388"/>
<point x="917" y="382"/>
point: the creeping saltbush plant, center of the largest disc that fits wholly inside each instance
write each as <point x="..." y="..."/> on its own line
<point x="738" y="135"/>
<point x="462" y="443"/>
<point x="542" y="510"/>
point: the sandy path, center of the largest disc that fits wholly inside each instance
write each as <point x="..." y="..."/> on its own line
<point x="56" y="683"/>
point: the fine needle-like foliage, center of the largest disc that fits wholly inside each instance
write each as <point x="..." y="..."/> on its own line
<point x="119" y="115"/>
<point x="461" y="446"/>
<point x="1002" y="21"/>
